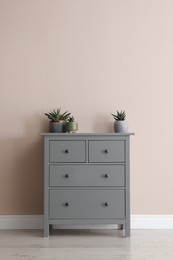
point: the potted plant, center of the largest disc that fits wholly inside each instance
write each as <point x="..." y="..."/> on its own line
<point x="58" y="120"/>
<point x="71" y="125"/>
<point x="120" y="124"/>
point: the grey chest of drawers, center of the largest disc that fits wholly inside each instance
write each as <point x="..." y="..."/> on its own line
<point x="86" y="179"/>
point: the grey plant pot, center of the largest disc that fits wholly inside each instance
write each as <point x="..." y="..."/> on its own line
<point x="121" y="126"/>
<point x="71" y="127"/>
<point x="57" y="126"/>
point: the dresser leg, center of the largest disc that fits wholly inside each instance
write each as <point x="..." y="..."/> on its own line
<point x="46" y="230"/>
<point x="127" y="230"/>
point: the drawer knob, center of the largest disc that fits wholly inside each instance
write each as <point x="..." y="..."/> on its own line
<point x="106" y="175"/>
<point x="66" y="176"/>
<point x="106" y="204"/>
<point x="66" y="204"/>
<point x="106" y="150"/>
<point x="66" y="151"/>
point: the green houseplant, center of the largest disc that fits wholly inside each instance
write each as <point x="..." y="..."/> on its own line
<point x="120" y="124"/>
<point x="57" y="120"/>
<point x="71" y="125"/>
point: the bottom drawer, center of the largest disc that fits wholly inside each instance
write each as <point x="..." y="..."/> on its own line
<point x="87" y="204"/>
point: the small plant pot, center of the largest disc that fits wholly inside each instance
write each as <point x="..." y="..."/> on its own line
<point x="71" y="127"/>
<point x="57" y="126"/>
<point x="121" y="126"/>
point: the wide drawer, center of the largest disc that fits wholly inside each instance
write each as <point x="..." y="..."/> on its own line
<point x="87" y="175"/>
<point x="106" y="151"/>
<point x="67" y="151"/>
<point x="87" y="204"/>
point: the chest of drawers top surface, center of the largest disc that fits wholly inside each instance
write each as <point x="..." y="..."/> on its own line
<point x="86" y="134"/>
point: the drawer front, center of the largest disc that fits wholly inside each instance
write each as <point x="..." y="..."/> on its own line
<point x="106" y="151"/>
<point x="87" y="175"/>
<point x="87" y="204"/>
<point x="67" y="151"/>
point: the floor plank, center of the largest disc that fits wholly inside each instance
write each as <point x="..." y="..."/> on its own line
<point x="86" y="244"/>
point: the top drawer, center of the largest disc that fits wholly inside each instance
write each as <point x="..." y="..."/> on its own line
<point x="67" y="151"/>
<point x="106" y="151"/>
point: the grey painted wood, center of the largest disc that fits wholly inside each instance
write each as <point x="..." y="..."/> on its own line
<point x="87" y="175"/>
<point x="84" y="221"/>
<point x="46" y="185"/>
<point x="106" y="151"/>
<point x="67" y="204"/>
<point x="87" y="187"/>
<point x="127" y="197"/>
<point x="67" y="151"/>
<point x="86" y="134"/>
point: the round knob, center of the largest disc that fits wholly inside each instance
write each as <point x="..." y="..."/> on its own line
<point x="66" y="151"/>
<point x="106" y="175"/>
<point x="66" y="176"/>
<point x="106" y="204"/>
<point x="106" y="150"/>
<point x="66" y="204"/>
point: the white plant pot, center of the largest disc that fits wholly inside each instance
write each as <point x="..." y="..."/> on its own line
<point x="121" y="126"/>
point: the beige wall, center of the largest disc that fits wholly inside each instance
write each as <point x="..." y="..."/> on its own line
<point x="90" y="57"/>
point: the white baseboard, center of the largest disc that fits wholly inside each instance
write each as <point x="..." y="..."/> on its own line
<point x="36" y="222"/>
<point x="152" y="221"/>
<point x="21" y="222"/>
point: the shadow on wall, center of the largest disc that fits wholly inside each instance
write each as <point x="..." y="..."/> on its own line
<point x="21" y="170"/>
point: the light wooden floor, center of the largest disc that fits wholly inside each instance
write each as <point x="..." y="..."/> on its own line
<point x="86" y="244"/>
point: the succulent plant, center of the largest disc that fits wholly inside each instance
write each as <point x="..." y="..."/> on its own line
<point x="57" y="115"/>
<point x="120" y="116"/>
<point x="71" y="125"/>
<point x="71" y="119"/>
